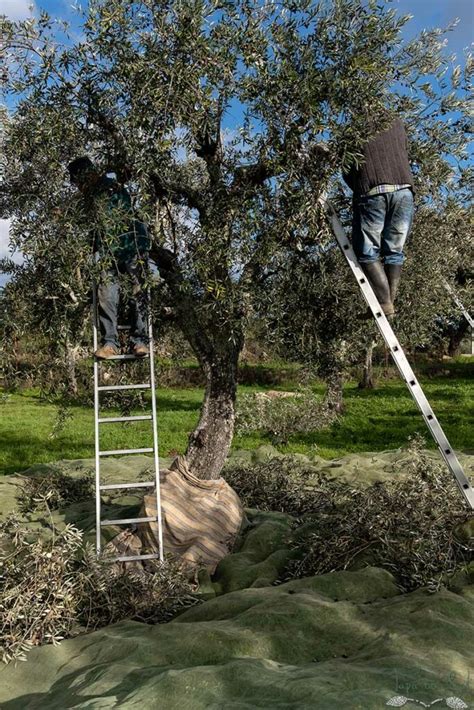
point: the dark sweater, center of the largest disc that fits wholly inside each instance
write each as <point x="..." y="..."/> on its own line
<point x="385" y="161"/>
<point x="117" y="231"/>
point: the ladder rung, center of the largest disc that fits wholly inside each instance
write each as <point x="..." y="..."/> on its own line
<point x="130" y="558"/>
<point x="145" y="386"/>
<point x="124" y="521"/>
<point x="128" y="356"/>
<point x="139" y="418"/>
<point x="113" y="452"/>
<point x="140" y="484"/>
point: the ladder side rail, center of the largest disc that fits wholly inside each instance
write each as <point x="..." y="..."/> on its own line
<point x="463" y="310"/>
<point x="459" y="304"/>
<point x="399" y="357"/>
<point x="96" y="419"/>
<point x="154" y="425"/>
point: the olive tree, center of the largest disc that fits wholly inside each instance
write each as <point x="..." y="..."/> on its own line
<point x="213" y="113"/>
<point x="314" y="312"/>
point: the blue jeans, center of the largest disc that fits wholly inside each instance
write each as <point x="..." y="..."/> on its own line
<point x="381" y="224"/>
<point x="108" y="294"/>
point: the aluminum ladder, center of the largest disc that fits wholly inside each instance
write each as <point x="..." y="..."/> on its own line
<point x="98" y="421"/>
<point x="398" y="355"/>
<point x="463" y="310"/>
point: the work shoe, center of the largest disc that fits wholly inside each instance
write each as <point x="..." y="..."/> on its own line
<point x="106" y="351"/>
<point x="378" y="280"/>
<point x="393" y="273"/>
<point x="140" y="350"/>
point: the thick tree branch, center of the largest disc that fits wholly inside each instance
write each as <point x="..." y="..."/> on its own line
<point x="210" y="148"/>
<point x="183" y="303"/>
<point x="247" y="177"/>
<point x="176" y="192"/>
<point x="120" y="163"/>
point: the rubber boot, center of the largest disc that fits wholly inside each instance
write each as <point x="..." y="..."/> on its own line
<point x="378" y="280"/>
<point x="393" y="272"/>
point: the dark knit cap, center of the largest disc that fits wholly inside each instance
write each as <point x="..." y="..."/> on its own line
<point x="80" y="165"/>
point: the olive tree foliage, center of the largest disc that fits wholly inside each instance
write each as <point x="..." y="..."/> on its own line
<point x="440" y="251"/>
<point x="311" y="303"/>
<point x="314" y="312"/>
<point x="213" y="113"/>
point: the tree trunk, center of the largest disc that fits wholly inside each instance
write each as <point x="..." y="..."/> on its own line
<point x="218" y="353"/>
<point x="210" y="442"/>
<point x="70" y="363"/>
<point x="456" y="337"/>
<point x="367" y="381"/>
<point x="333" y="398"/>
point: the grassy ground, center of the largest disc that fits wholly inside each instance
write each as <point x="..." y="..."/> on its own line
<point x="375" y="420"/>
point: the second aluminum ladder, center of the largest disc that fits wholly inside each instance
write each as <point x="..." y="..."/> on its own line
<point x="99" y="421"/>
<point x="399" y="356"/>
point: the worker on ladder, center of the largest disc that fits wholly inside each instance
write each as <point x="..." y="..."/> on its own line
<point x="121" y="245"/>
<point x="382" y="211"/>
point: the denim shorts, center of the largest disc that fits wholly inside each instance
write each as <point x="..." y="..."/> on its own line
<point x="381" y="225"/>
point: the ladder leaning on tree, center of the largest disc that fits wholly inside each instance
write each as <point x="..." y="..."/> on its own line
<point x="398" y="355"/>
<point x="463" y="310"/>
<point x="99" y="421"/>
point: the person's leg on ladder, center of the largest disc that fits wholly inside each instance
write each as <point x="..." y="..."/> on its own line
<point x="108" y="294"/>
<point x="368" y="222"/>
<point x="397" y="228"/>
<point x="136" y="268"/>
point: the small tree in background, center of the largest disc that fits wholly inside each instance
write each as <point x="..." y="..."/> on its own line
<point x="149" y="90"/>
<point x="440" y="247"/>
<point x="311" y="303"/>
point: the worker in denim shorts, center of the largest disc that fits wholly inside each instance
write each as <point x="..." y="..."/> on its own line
<point x="383" y="210"/>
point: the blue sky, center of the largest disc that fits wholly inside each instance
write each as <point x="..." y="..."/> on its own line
<point x="426" y="14"/>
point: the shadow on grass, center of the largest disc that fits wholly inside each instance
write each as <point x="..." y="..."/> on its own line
<point x="375" y="420"/>
<point x="172" y="404"/>
<point x="165" y="401"/>
<point x="19" y="457"/>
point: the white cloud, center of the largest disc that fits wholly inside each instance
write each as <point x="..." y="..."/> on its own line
<point x="16" y="9"/>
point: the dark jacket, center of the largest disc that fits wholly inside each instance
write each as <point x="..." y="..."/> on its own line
<point x="116" y="230"/>
<point x="385" y="161"/>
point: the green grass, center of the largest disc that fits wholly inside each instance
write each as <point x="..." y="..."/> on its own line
<point x="375" y="420"/>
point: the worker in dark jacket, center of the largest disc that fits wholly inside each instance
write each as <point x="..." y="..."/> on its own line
<point x="121" y="242"/>
<point x="382" y="210"/>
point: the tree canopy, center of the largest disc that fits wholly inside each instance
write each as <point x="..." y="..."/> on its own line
<point x="226" y="120"/>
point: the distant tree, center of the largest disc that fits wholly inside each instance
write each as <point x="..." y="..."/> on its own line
<point x="310" y="304"/>
<point x="441" y="243"/>
<point x="149" y="90"/>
